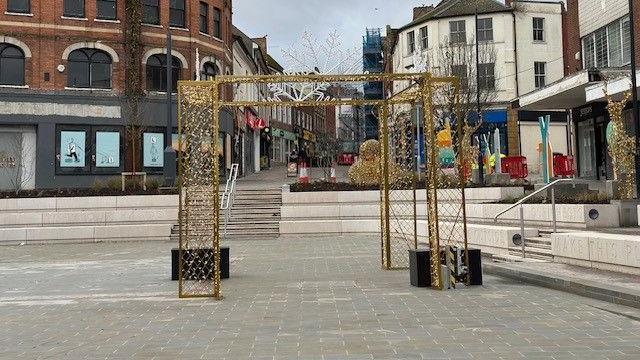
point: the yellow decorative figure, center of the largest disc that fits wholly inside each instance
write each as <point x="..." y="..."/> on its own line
<point x="366" y="170"/>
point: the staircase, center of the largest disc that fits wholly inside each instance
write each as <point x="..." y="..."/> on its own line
<point x="537" y="249"/>
<point x="255" y="214"/>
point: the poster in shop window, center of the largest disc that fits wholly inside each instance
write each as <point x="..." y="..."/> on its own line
<point x="72" y="149"/>
<point x="153" y="150"/>
<point x="107" y="149"/>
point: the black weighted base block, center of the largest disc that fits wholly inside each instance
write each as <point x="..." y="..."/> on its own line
<point x="475" y="267"/>
<point x="419" y="268"/>
<point x="201" y="255"/>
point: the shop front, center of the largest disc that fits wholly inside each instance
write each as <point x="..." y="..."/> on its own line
<point x="282" y="144"/>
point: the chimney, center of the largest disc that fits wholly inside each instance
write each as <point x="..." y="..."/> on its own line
<point x="508" y="3"/>
<point x="421" y="11"/>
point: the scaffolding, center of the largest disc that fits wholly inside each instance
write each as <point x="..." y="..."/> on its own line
<point x="372" y="64"/>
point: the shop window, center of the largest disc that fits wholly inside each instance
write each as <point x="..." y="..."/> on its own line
<point x="19" y="6"/>
<point x="152" y="150"/>
<point x="74" y="8"/>
<point x="157" y="72"/>
<point x="176" y="13"/>
<point x="106" y="9"/>
<point x="151" y="12"/>
<point x="89" y="68"/>
<point x="89" y="149"/>
<point x="11" y="65"/>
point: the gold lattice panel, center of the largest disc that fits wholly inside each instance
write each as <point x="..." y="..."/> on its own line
<point x="199" y="259"/>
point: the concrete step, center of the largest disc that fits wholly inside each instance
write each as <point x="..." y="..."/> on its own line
<point x="542" y="254"/>
<point x="538" y="243"/>
<point x="513" y="258"/>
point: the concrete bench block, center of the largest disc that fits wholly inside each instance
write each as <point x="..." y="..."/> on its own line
<point x="140" y="215"/>
<point x="13" y="236"/>
<point x="13" y="219"/>
<point x="69" y="233"/>
<point x="63" y="218"/>
<point x="145" y="201"/>
<point x="311" y="227"/>
<point x="90" y="202"/>
<point x="360" y="226"/>
<point x="35" y="204"/>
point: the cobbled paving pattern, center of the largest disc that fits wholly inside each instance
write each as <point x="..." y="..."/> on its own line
<point x="288" y="298"/>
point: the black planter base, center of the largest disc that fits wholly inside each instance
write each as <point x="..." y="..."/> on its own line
<point x="419" y="267"/>
<point x="201" y="255"/>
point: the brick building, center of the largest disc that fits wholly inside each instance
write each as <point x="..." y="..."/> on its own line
<point x="71" y="70"/>
<point x="597" y="57"/>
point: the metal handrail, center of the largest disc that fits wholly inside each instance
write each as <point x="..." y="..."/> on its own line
<point x="521" y="202"/>
<point x="228" y="196"/>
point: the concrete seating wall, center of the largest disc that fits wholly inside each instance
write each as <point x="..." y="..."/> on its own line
<point x="614" y="252"/>
<point x="89" y="219"/>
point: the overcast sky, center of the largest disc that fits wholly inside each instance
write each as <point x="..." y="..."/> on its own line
<point x="284" y="21"/>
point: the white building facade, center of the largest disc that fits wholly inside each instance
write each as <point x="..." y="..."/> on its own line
<point x="520" y="50"/>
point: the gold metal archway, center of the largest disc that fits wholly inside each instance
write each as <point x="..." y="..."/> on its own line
<point x="406" y="214"/>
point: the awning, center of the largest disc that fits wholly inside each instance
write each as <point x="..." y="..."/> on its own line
<point x="567" y="93"/>
<point x="615" y="88"/>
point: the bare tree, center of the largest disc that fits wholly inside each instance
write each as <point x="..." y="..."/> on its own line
<point x="327" y="150"/>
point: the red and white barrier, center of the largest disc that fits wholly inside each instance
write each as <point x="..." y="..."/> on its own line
<point x="303" y="174"/>
<point x="333" y="172"/>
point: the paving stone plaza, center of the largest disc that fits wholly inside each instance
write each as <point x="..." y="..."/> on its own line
<point x="287" y="298"/>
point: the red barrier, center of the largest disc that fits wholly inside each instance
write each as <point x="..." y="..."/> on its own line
<point x="563" y="165"/>
<point x="515" y="166"/>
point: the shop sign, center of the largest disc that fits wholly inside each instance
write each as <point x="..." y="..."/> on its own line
<point x="255" y="122"/>
<point x="309" y="136"/>
<point x="284" y="134"/>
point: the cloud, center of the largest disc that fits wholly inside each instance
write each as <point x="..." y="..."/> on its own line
<point x="284" y="21"/>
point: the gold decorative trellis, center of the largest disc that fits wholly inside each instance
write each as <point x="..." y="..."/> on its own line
<point x="401" y="209"/>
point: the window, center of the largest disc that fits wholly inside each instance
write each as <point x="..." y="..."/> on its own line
<point x="176" y="13"/>
<point x="485" y="29"/>
<point x="204" y="17"/>
<point x="588" y="49"/>
<point x="540" y="74"/>
<point x="424" y="37"/>
<point x="411" y="42"/>
<point x="74" y="8"/>
<point x="217" y="29"/>
<point x="487" y="76"/>
<point x="19" y="6"/>
<point x="151" y="12"/>
<point x="11" y="65"/>
<point x="457" y="32"/>
<point x="602" y="52"/>
<point x="157" y="73"/>
<point x="538" y="29"/>
<point x="106" y="9"/>
<point x="209" y="71"/>
<point x="460" y="71"/>
<point x="609" y="46"/>
<point x="89" y="68"/>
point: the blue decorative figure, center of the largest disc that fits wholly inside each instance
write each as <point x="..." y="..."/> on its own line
<point x="544" y="132"/>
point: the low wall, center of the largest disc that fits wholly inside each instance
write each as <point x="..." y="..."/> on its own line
<point x="87" y="219"/>
<point x="615" y="252"/>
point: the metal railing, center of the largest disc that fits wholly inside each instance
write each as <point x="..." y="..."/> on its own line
<point x="229" y="196"/>
<point x="521" y="202"/>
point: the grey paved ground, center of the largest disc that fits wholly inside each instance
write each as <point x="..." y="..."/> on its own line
<point x="315" y="298"/>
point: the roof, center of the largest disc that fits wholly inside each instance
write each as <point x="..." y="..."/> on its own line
<point x="247" y="44"/>
<point x="271" y="62"/>
<point x="455" y="8"/>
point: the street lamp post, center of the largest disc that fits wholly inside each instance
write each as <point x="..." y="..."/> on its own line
<point x="169" y="168"/>
<point x="478" y="110"/>
<point x="634" y="93"/>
